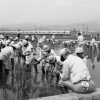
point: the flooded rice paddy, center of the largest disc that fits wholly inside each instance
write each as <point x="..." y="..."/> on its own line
<point x="21" y="85"/>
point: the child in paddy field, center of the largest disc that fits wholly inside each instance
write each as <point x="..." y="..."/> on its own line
<point x="40" y="44"/>
<point x="47" y="52"/>
<point x="27" y="38"/>
<point x="56" y="66"/>
<point x="28" y="53"/>
<point x="6" y="54"/>
<point x="18" y="44"/>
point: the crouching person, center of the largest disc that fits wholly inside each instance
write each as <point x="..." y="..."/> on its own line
<point x="56" y="66"/>
<point x="7" y="56"/>
<point x="46" y="65"/>
<point x="75" y="74"/>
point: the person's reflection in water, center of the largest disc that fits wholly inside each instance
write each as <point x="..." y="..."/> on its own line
<point x="42" y="87"/>
<point x="1" y="79"/>
<point x="30" y="85"/>
<point x="93" y="67"/>
<point x="12" y="82"/>
<point x="26" y="85"/>
<point x="98" y="56"/>
<point x="1" y="67"/>
<point x="35" y="86"/>
<point x="5" y="87"/>
<point x="47" y="87"/>
<point x="93" y="55"/>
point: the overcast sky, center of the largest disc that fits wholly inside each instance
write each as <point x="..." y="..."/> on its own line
<point x="51" y="11"/>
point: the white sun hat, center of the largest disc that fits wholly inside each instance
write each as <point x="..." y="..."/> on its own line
<point x="79" y="50"/>
<point x="64" y="51"/>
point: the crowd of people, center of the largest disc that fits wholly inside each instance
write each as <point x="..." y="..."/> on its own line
<point x="69" y="67"/>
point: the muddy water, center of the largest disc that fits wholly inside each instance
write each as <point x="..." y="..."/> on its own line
<point x="21" y="85"/>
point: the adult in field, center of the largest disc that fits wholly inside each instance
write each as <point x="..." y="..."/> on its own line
<point x="80" y="39"/>
<point x="80" y="53"/>
<point x="75" y="74"/>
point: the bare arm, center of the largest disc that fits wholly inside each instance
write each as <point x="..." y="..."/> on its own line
<point x="65" y="71"/>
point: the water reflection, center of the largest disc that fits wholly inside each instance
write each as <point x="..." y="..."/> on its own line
<point x="21" y="85"/>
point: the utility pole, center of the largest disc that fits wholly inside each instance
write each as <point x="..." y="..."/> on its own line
<point x="83" y="28"/>
<point x="18" y="33"/>
<point x="35" y="29"/>
<point x="64" y="30"/>
<point x="87" y="28"/>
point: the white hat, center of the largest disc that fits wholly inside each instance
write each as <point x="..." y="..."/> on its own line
<point x="63" y="42"/>
<point x="1" y="36"/>
<point x="11" y="37"/>
<point x="53" y="37"/>
<point x="44" y="37"/>
<point x="79" y="50"/>
<point x="16" y="38"/>
<point x="51" y="59"/>
<point x="40" y="42"/>
<point x="25" y="42"/>
<point x="64" y="51"/>
<point x="45" y="48"/>
<point x="68" y="42"/>
<point x="27" y="37"/>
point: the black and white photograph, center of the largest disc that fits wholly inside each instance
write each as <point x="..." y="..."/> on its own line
<point x="49" y="50"/>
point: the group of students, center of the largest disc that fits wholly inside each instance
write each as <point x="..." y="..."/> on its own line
<point x="69" y="68"/>
<point x="11" y="48"/>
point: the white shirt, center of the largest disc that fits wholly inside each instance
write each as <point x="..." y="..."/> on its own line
<point x="74" y="69"/>
<point x="2" y="41"/>
<point x="40" y="53"/>
<point x="33" y="37"/>
<point x="58" y="64"/>
<point x="93" y="41"/>
<point x="29" y="51"/>
<point x="7" y="52"/>
<point x="80" y="38"/>
<point x="19" y="43"/>
<point x="11" y="43"/>
<point x="51" y="53"/>
<point x="23" y="50"/>
<point x="30" y="44"/>
<point x="17" y="46"/>
<point x="85" y="60"/>
<point x="58" y="60"/>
